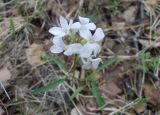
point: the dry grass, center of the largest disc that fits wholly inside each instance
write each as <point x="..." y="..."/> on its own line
<point x="23" y="23"/>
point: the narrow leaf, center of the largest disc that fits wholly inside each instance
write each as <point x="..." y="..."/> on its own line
<point x="60" y="64"/>
<point x="49" y="86"/>
<point x="12" y="26"/>
<point x="95" y="92"/>
<point x="107" y="63"/>
<point x="77" y="91"/>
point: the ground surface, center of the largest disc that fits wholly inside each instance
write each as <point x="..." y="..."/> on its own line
<point x="129" y="86"/>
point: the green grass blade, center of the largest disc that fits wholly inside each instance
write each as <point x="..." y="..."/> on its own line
<point x="12" y="27"/>
<point x="49" y="86"/>
<point x="76" y="92"/>
<point x="95" y="92"/>
<point x="107" y="63"/>
<point x="103" y="66"/>
<point x="60" y="64"/>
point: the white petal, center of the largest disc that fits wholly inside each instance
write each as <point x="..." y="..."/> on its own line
<point x="56" y="49"/>
<point x="91" y="63"/>
<point x="57" y="31"/>
<point x="85" y="33"/>
<point x="98" y="35"/>
<point x="63" y="23"/>
<point x="75" y="25"/>
<point x="90" y="49"/>
<point x="90" y="26"/>
<point x="87" y="65"/>
<point x="73" y="49"/>
<point x="96" y="62"/>
<point x="69" y="26"/>
<point x="58" y="42"/>
<point x="96" y="49"/>
<point x="86" y="51"/>
<point x="83" y="20"/>
<point x="70" y="23"/>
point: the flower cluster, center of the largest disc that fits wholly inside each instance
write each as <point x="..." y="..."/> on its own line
<point x="77" y="38"/>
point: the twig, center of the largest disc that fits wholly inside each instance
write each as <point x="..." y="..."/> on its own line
<point x="125" y="107"/>
<point x="79" y="8"/>
<point x="5" y="90"/>
<point x="128" y="27"/>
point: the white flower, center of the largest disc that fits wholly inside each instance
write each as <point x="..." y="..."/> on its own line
<point x="91" y="63"/>
<point x="91" y="47"/>
<point x="73" y="49"/>
<point x="65" y="27"/>
<point x="97" y="36"/>
<point x="59" y="46"/>
<point x="73" y="45"/>
<point x="86" y="24"/>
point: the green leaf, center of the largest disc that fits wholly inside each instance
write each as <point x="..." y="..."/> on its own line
<point x="103" y="66"/>
<point x="77" y="91"/>
<point x="144" y="57"/>
<point x="60" y="64"/>
<point x="2" y="46"/>
<point x="49" y="86"/>
<point x="95" y="92"/>
<point x="12" y="27"/>
<point x="107" y="63"/>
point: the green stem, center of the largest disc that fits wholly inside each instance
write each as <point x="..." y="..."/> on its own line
<point x="74" y="66"/>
